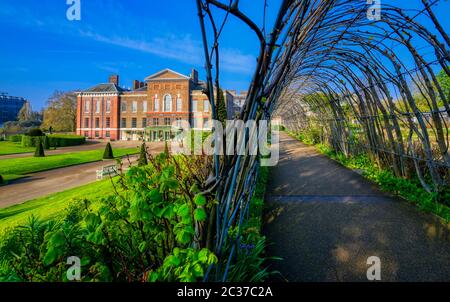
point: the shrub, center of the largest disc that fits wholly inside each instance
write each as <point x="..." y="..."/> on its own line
<point x="39" y="150"/>
<point x="15" y="138"/>
<point x="61" y="140"/>
<point x="1" y="179"/>
<point x="30" y="141"/>
<point x="108" y="154"/>
<point x="143" y="156"/>
<point x="166" y="148"/>
<point x="46" y="143"/>
<point x="35" y="132"/>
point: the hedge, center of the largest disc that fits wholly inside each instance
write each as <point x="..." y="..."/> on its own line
<point x="62" y="140"/>
<point x="30" y="141"/>
<point x="15" y="138"/>
<point x="55" y="140"/>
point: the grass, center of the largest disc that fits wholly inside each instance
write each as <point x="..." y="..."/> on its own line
<point x="19" y="167"/>
<point x="52" y="205"/>
<point x="7" y="147"/>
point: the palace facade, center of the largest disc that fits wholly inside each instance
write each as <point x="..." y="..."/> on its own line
<point x="148" y="110"/>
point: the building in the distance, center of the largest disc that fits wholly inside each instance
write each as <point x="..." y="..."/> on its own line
<point x="148" y="110"/>
<point x="10" y="107"/>
<point x="235" y="103"/>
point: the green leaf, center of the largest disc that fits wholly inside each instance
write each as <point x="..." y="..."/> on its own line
<point x="50" y="257"/>
<point x="57" y="239"/>
<point x="199" y="214"/>
<point x="200" y="200"/>
<point x="183" y="210"/>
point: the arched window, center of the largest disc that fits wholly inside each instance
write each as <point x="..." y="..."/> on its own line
<point x="167" y="103"/>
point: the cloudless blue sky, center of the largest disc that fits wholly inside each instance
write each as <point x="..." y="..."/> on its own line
<point x="42" y="51"/>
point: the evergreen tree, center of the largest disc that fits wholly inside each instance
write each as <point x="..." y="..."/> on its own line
<point x="166" y="148"/>
<point x="46" y="142"/>
<point x="39" y="150"/>
<point x="221" y="107"/>
<point x="143" y="156"/>
<point x="108" y="154"/>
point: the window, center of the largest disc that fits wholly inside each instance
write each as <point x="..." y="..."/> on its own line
<point x="86" y="123"/>
<point x="97" y="134"/>
<point x="108" y="122"/>
<point x="86" y="134"/>
<point x="97" y="106"/>
<point x="156" y="103"/>
<point x="179" y="104"/>
<point x="167" y="121"/>
<point x="194" y="106"/>
<point x="123" y="123"/>
<point x="194" y="123"/>
<point x="123" y="106"/>
<point x="205" y="122"/>
<point x="178" y="122"/>
<point x="167" y="103"/>
<point x="97" y="122"/>
<point x="206" y="106"/>
<point x="134" y="106"/>
<point x="155" y="122"/>
<point x="144" y="106"/>
<point x="144" y="122"/>
<point x="134" y="122"/>
<point x="108" y="105"/>
<point x="108" y="134"/>
<point x="87" y="104"/>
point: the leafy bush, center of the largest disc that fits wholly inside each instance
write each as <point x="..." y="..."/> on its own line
<point x="108" y="154"/>
<point x="143" y="156"/>
<point x="46" y="143"/>
<point x="63" y="140"/>
<point x="30" y="141"/>
<point x="15" y="138"/>
<point x="39" y="150"/>
<point x="35" y="132"/>
<point x="149" y="230"/>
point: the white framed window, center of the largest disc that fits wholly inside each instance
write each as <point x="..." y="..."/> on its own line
<point x="97" y="106"/>
<point x="167" y="103"/>
<point x="144" y="106"/>
<point x="134" y="106"/>
<point x="179" y="104"/>
<point x="206" y="106"/>
<point x="123" y="106"/>
<point x="108" y="105"/>
<point x="194" y="106"/>
<point x="87" y="104"/>
<point x="156" y="103"/>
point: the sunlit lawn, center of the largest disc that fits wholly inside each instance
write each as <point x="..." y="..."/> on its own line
<point x="18" y="167"/>
<point x="7" y="147"/>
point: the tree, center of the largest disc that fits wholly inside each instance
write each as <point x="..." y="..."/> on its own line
<point x="143" y="156"/>
<point x="108" y="154"/>
<point x="166" y="148"/>
<point x="444" y="82"/>
<point x="221" y="107"/>
<point x="25" y="113"/>
<point x="39" y="150"/>
<point x="60" y="114"/>
<point x="1" y="179"/>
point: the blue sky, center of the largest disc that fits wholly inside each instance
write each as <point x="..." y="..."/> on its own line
<point x="42" y="51"/>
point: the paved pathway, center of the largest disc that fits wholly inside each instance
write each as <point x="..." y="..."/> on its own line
<point x="326" y="220"/>
<point x="56" y="180"/>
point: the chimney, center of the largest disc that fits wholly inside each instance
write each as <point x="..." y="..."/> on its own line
<point x="142" y="84"/>
<point x="136" y="84"/>
<point x="194" y="76"/>
<point x="114" y="79"/>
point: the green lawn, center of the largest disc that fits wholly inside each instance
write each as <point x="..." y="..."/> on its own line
<point x="51" y="205"/>
<point x="18" y="167"/>
<point x="7" y="147"/>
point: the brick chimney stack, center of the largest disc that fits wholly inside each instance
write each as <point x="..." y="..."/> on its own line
<point x="136" y="84"/>
<point x="114" y="79"/>
<point x="194" y="76"/>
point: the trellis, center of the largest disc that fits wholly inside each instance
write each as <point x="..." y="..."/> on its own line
<point x="325" y="63"/>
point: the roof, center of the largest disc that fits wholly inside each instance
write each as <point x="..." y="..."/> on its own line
<point x="156" y="75"/>
<point x="105" y="87"/>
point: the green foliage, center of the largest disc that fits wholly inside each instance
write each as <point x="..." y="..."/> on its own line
<point x="1" y="180"/>
<point x="166" y="148"/>
<point x="108" y="154"/>
<point x="15" y="138"/>
<point x="143" y="156"/>
<point x="46" y="143"/>
<point x="221" y="107"/>
<point x="444" y="82"/>
<point x="64" y="140"/>
<point x="35" y="132"/>
<point x="145" y="232"/>
<point x="30" y="141"/>
<point x="39" y="150"/>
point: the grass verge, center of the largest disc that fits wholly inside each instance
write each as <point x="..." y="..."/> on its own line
<point x="7" y="147"/>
